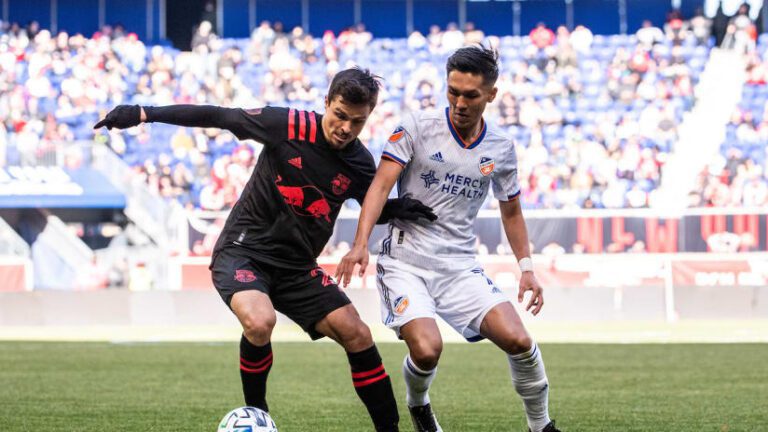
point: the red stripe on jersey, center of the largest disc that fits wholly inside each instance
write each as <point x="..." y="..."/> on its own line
<point x="302" y="126"/>
<point x="358" y="375"/>
<point x="291" y="124"/>
<point x="260" y="363"/>
<point x="312" y="127"/>
<point x="370" y="381"/>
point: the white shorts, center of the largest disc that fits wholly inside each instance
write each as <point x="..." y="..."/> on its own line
<point x="461" y="298"/>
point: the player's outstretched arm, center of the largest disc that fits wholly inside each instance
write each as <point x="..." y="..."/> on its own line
<point x="377" y="194"/>
<point x="122" y="117"/>
<point x="517" y="235"/>
<point x="125" y="116"/>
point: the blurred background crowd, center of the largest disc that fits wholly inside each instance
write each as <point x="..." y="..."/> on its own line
<point x="595" y="117"/>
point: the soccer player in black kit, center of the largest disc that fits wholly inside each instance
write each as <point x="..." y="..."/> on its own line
<point x="265" y="258"/>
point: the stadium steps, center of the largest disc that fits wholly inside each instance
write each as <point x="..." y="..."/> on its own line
<point x="11" y="243"/>
<point x="159" y="219"/>
<point x="704" y="128"/>
<point x="58" y="255"/>
<point x="158" y="227"/>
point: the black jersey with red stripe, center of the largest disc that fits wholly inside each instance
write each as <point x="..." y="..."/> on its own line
<point x="286" y="213"/>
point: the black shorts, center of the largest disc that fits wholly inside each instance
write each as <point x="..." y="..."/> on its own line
<point x="305" y="296"/>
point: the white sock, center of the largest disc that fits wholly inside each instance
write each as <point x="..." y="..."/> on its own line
<point x="417" y="382"/>
<point x="530" y="381"/>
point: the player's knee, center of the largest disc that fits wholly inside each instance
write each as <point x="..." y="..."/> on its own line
<point x="426" y="354"/>
<point x="357" y="337"/>
<point x="518" y="343"/>
<point x="258" y="330"/>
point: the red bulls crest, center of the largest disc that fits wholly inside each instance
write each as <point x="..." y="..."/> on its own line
<point x="244" y="276"/>
<point x="340" y="184"/>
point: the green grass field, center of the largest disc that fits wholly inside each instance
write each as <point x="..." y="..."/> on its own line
<point x="189" y="387"/>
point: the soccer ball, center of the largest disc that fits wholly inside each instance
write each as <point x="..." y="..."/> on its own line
<point x="247" y="419"/>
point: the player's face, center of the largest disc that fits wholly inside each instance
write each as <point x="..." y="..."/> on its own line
<point x="467" y="98"/>
<point x="342" y="123"/>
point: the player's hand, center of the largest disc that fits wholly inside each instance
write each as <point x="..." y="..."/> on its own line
<point x="358" y="255"/>
<point x="121" y="117"/>
<point x="528" y="282"/>
<point x="405" y="208"/>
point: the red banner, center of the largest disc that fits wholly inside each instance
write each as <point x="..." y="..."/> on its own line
<point x="13" y="277"/>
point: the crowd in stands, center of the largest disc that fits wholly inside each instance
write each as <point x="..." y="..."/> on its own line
<point x="737" y="177"/>
<point x="595" y="117"/>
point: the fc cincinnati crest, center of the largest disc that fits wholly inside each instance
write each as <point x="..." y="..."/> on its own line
<point x="397" y="134"/>
<point x="401" y="304"/>
<point x="340" y="184"/>
<point x="486" y="165"/>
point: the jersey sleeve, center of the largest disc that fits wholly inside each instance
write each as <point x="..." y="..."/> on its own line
<point x="504" y="179"/>
<point x="268" y="125"/>
<point x="399" y="147"/>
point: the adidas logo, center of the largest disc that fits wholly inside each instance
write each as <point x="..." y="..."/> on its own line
<point x="437" y="157"/>
<point x="295" y="162"/>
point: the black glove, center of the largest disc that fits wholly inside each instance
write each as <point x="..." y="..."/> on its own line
<point x="407" y="209"/>
<point x="122" y="117"/>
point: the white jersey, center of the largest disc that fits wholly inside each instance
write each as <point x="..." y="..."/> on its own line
<point x="452" y="177"/>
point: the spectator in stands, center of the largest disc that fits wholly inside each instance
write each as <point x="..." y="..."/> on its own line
<point x="566" y="54"/>
<point x="360" y="37"/>
<point x="203" y="36"/>
<point x="416" y="41"/>
<point x="741" y="33"/>
<point x="261" y="42"/>
<point x="453" y="38"/>
<point x="435" y="39"/>
<point x="675" y="29"/>
<point x="541" y="36"/>
<point x="209" y="14"/>
<point x="701" y="27"/>
<point x="581" y="39"/>
<point x="472" y="35"/>
<point x="648" y="35"/>
<point x="32" y="29"/>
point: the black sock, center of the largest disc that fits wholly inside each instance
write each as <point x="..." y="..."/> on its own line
<point x="255" y="363"/>
<point x="374" y="388"/>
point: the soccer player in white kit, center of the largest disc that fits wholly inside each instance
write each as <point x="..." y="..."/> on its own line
<point x="449" y="160"/>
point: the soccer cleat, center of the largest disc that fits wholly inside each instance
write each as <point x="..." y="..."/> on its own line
<point x="424" y="419"/>
<point x="549" y="427"/>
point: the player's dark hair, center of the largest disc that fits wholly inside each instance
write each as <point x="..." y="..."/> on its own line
<point x="477" y="60"/>
<point x="356" y="86"/>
